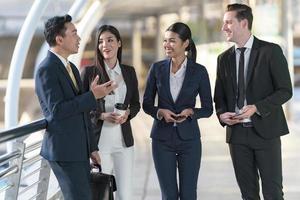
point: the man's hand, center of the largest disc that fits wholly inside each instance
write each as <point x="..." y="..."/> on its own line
<point x="95" y="158"/>
<point x="229" y="118"/>
<point x="246" y="112"/>
<point x="102" y="90"/>
<point x="167" y="115"/>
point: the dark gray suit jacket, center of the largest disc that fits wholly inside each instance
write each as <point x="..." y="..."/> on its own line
<point x="68" y="136"/>
<point x="268" y="86"/>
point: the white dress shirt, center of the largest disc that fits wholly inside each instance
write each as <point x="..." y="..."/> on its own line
<point x="111" y="134"/>
<point x="176" y="79"/>
<point x="62" y="59"/>
<point x="247" y="52"/>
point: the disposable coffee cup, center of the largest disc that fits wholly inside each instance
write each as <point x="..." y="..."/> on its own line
<point x="120" y="108"/>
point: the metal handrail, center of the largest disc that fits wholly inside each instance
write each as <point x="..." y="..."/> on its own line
<point x="17" y="162"/>
<point x="9" y="171"/>
<point x="23" y="130"/>
<point x="9" y="156"/>
<point x="33" y="147"/>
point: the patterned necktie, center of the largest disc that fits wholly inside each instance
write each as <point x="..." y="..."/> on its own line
<point x="71" y="74"/>
<point x="241" y="80"/>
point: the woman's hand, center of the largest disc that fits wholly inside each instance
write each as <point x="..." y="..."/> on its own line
<point x="110" y="117"/>
<point x="167" y="115"/>
<point x="123" y="118"/>
<point x="184" y="115"/>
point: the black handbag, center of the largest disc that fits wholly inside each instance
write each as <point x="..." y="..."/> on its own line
<point x="102" y="185"/>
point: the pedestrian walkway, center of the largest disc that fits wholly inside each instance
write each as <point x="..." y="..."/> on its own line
<point x="216" y="179"/>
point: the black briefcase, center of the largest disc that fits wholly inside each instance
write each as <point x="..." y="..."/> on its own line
<point x="102" y="185"/>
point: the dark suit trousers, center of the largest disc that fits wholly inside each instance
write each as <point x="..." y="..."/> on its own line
<point x="173" y="153"/>
<point x="253" y="156"/>
<point x="73" y="179"/>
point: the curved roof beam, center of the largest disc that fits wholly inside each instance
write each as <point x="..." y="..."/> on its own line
<point x="75" y="11"/>
<point x="86" y="26"/>
<point x="18" y="61"/>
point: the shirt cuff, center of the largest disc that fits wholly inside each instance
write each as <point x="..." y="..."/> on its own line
<point x="158" y="117"/>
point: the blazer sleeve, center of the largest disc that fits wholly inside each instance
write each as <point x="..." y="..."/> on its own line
<point x="85" y="78"/>
<point x="219" y="94"/>
<point x="135" y="98"/>
<point x="51" y="91"/>
<point x="204" y="92"/>
<point x="150" y="93"/>
<point x="281" y="82"/>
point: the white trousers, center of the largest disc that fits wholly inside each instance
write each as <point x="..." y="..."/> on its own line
<point x="119" y="161"/>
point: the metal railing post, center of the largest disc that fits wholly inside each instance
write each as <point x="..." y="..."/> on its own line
<point x="14" y="180"/>
<point x="44" y="177"/>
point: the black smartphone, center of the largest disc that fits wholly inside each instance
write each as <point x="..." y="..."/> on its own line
<point x="236" y="115"/>
<point x="179" y="117"/>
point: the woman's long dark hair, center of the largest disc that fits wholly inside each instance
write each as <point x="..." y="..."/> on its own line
<point x="185" y="33"/>
<point x="99" y="59"/>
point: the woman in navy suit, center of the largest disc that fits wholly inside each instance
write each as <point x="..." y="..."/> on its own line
<point x="175" y="134"/>
<point x="114" y="130"/>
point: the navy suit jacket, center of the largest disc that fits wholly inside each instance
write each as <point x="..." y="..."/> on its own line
<point x="196" y="82"/>
<point x="68" y="136"/>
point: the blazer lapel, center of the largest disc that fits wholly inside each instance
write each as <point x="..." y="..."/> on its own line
<point x="253" y="56"/>
<point x="60" y="65"/>
<point x="232" y="69"/>
<point x="126" y="78"/>
<point x="64" y="70"/>
<point x="166" y="78"/>
<point x="187" y="77"/>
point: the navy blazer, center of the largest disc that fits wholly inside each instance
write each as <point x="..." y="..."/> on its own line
<point x="68" y="136"/>
<point x="196" y="82"/>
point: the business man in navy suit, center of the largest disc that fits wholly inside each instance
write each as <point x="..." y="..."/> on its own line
<point x="252" y="83"/>
<point x="175" y="134"/>
<point x="68" y="142"/>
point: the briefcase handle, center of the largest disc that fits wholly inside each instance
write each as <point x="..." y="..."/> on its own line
<point x="98" y="166"/>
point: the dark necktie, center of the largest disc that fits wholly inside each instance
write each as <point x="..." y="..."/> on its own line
<point x="241" y="80"/>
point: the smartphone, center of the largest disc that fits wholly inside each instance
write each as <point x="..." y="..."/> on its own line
<point x="178" y="117"/>
<point x="110" y="84"/>
<point x="236" y="115"/>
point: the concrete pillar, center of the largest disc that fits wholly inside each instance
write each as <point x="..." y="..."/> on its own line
<point x="159" y="50"/>
<point x="137" y="49"/>
<point x="287" y="33"/>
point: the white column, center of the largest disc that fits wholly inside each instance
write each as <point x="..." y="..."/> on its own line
<point x="287" y="32"/>
<point x="159" y="39"/>
<point x="137" y="49"/>
<point x="18" y="60"/>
